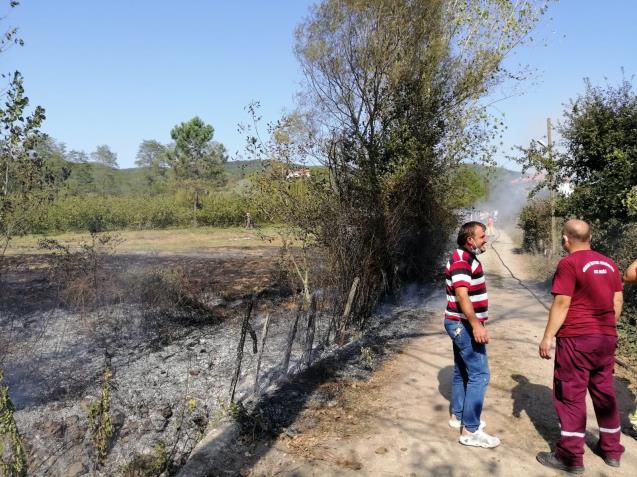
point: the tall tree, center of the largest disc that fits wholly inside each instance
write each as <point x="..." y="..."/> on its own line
<point x="104" y="155"/>
<point x="153" y="156"/>
<point x="599" y="133"/>
<point x="196" y="159"/>
<point x="105" y="162"/>
<point x="77" y="156"/>
<point x="394" y="90"/>
<point x="22" y="181"/>
<point x="57" y="168"/>
<point x="596" y="157"/>
<point x="22" y="189"/>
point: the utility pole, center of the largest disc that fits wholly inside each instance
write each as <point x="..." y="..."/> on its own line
<point x="551" y="182"/>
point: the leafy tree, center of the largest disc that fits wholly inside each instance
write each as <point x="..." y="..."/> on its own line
<point x="104" y="155"/>
<point x="153" y="156"/>
<point x="196" y="160"/>
<point x="601" y="151"/>
<point x="597" y="157"/>
<point x="56" y="167"/>
<point x="468" y="186"/>
<point x="392" y="104"/>
<point x="104" y="171"/>
<point x="23" y="184"/>
<point x="77" y="156"/>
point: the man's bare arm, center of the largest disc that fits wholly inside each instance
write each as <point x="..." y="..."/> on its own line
<point x="479" y="331"/>
<point x="557" y="315"/>
<point x="630" y="275"/>
<point x="618" y="304"/>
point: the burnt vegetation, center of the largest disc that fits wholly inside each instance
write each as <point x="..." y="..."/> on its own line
<point x="130" y="357"/>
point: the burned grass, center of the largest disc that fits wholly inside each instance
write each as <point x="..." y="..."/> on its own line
<point x="337" y="397"/>
<point x="228" y="274"/>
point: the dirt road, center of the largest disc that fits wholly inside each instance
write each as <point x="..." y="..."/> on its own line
<point x="398" y="424"/>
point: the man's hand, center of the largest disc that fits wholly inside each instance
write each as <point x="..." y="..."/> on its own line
<point x="480" y="334"/>
<point x="557" y="315"/>
<point x="479" y="331"/>
<point x="545" y="348"/>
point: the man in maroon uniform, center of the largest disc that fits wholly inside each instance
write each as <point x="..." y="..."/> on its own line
<point x="588" y="300"/>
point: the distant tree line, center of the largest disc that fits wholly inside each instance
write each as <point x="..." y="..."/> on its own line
<point x="180" y="184"/>
<point x="173" y="185"/>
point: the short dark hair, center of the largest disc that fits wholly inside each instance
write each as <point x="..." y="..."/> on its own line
<point x="467" y="230"/>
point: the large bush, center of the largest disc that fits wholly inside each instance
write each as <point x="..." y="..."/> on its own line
<point x="535" y="222"/>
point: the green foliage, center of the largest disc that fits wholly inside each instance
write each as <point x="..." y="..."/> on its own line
<point x="467" y="187"/>
<point x="91" y="211"/>
<point x="24" y="186"/>
<point x="153" y="157"/>
<point x="104" y="155"/>
<point x="391" y="108"/>
<point x="196" y="160"/>
<point x="234" y="410"/>
<point x="99" y="419"/>
<point x="195" y="156"/>
<point x="601" y="146"/>
<point x="367" y="356"/>
<point x="224" y="209"/>
<point x="13" y="460"/>
<point x="631" y="202"/>
<point x="535" y="222"/>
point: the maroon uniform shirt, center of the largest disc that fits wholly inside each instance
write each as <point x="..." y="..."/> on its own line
<point x="591" y="280"/>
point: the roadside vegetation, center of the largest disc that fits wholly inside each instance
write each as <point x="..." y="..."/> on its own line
<point x="597" y="158"/>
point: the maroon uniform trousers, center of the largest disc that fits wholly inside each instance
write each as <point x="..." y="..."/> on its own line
<point x="581" y="363"/>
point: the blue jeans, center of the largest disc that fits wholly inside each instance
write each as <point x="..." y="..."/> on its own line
<point x="470" y="374"/>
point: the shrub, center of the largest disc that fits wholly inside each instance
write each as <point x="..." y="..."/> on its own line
<point x="223" y="210"/>
<point x="535" y="222"/>
<point x="170" y="292"/>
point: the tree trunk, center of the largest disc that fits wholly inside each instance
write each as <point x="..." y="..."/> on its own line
<point x="264" y="335"/>
<point x="194" y="209"/>
<point x="311" y="329"/>
<point x="245" y="326"/>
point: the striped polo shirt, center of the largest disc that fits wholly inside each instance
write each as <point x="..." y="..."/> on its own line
<point x="465" y="270"/>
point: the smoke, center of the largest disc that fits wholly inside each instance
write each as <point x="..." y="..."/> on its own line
<point x="508" y="193"/>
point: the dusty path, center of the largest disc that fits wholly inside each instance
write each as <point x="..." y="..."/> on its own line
<point x="399" y="426"/>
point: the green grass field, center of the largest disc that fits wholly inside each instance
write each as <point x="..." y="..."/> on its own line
<point x="199" y="239"/>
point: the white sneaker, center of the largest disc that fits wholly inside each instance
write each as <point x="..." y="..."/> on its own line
<point x="479" y="439"/>
<point x="455" y="423"/>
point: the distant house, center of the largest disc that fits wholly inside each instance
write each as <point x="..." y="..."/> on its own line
<point x="564" y="188"/>
<point x="527" y="179"/>
<point x="297" y="174"/>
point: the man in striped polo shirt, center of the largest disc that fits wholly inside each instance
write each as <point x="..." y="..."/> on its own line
<point x="467" y="310"/>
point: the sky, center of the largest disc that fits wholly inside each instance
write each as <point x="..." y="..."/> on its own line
<point x="119" y="72"/>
